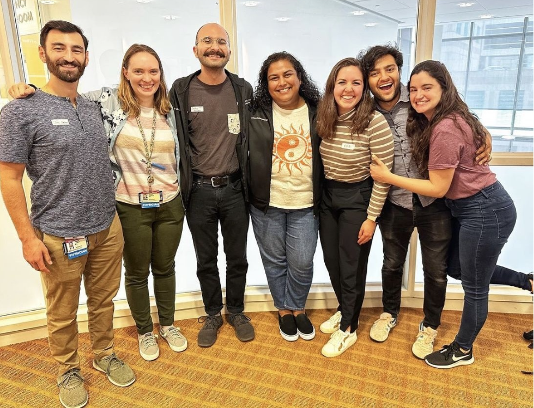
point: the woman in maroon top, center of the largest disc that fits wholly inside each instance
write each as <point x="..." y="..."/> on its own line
<point x="445" y="138"/>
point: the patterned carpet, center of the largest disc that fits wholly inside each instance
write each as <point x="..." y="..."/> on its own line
<point x="270" y="372"/>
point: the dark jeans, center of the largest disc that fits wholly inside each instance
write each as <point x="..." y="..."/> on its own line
<point x="207" y="207"/>
<point x="151" y="238"/>
<point x="501" y="275"/>
<point x="343" y="210"/>
<point x="483" y="223"/>
<point x="433" y="224"/>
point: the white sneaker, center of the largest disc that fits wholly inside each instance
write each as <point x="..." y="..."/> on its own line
<point x="148" y="346"/>
<point x="175" y="338"/>
<point x="424" y="342"/>
<point x="332" y="324"/>
<point x="338" y="343"/>
<point x="381" y="327"/>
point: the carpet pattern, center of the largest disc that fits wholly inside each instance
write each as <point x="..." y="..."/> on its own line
<point x="271" y="372"/>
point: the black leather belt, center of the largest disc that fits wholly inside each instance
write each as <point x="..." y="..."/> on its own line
<point x="217" y="181"/>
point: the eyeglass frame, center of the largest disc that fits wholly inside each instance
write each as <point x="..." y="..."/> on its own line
<point x="212" y="40"/>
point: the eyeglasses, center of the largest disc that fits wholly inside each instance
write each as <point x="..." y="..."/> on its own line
<point x="209" y="41"/>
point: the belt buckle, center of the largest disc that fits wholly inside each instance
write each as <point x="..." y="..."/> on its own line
<point x="218" y="181"/>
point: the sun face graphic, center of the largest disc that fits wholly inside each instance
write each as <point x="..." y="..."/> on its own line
<point x="291" y="149"/>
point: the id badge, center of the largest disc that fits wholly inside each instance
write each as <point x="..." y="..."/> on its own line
<point x="150" y="199"/>
<point x="75" y="247"/>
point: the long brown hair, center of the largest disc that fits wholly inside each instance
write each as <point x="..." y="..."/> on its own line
<point x="419" y="128"/>
<point x="129" y="103"/>
<point x="327" y="111"/>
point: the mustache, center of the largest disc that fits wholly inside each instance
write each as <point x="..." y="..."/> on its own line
<point x="218" y="53"/>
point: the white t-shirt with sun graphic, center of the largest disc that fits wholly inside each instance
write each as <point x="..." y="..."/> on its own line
<point x="291" y="175"/>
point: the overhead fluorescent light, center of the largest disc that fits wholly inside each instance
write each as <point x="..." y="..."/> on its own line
<point x="251" y="3"/>
<point x="358" y="13"/>
<point x="144" y="1"/>
<point x="465" y="4"/>
<point x="47" y="2"/>
<point x="486" y="16"/>
<point x="283" y="19"/>
<point x="370" y="24"/>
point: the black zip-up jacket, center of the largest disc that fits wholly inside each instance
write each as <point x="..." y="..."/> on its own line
<point x="179" y="96"/>
<point x="261" y="140"/>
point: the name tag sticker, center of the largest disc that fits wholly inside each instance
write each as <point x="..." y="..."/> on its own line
<point x="197" y="108"/>
<point x="60" y="122"/>
<point x="348" y="146"/>
<point x="75" y="247"/>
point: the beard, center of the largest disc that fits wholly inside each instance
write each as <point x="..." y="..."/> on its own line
<point x="68" y="76"/>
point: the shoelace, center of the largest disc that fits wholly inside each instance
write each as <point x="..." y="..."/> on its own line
<point x="114" y="363"/>
<point x="211" y="321"/>
<point x="239" y="318"/>
<point x="148" y="340"/>
<point x="173" y="332"/>
<point x="71" y="379"/>
<point x="427" y="337"/>
<point x="450" y="349"/>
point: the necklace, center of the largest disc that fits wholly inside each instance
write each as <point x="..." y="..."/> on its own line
<point x="148" y="151"/>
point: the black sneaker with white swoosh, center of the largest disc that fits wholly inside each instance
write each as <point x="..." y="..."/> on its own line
<point x="450" y="356"/>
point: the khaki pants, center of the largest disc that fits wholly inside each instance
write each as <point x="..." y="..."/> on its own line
<point x="101" y="272"/>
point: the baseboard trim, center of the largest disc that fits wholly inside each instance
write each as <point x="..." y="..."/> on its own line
<point x="31" y="325"/>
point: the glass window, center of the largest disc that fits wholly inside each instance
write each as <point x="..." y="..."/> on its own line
<point x="490" y="61"/>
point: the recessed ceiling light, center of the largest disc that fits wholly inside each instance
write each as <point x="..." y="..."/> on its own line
<point x="283" y="19"/>
<point x="358" y="13"/>
<point x="486" y="16"/>
<point x="465" y="4"/>
<point x="370" y="24"/>
<point x="251" y="3"/>
<point x="170" y="17"/>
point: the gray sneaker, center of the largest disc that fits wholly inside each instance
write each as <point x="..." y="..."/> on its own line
<point x="208" y="334"/>
<point x="148" y="346"/>
<point x="241" y="323"/>
<point x="118" y="372"/>
<point x="175" y="338"/>
<point x="72" y="393"/>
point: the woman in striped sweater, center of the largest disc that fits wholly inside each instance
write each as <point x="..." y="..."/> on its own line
<point x="351" y="131"/>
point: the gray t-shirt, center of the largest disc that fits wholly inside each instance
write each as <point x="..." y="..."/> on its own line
<point x="213" y="128"/>
<point x="65" y="150"/>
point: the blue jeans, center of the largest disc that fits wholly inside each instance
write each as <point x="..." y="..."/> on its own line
<point x="483" y="223"/>
<point x="287" y="240"/>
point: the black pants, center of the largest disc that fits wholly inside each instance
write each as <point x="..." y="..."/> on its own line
<point x="433" y="224"/>
<point x="343" y="210"/>
<point x="207" y="207"/>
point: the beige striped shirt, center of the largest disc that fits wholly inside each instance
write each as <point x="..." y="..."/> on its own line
<point x="347" y="156"/>
<point x="129" y="151"/>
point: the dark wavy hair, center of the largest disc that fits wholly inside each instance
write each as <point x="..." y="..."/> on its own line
<point x="369" y="57"/>
<point x="419" y="128"/>
<point x="64" y="27"/>
<point x="327" y="112"/>
<point x="308" y="90"/>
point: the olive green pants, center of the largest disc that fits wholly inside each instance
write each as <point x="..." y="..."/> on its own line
<point x="151" y="238"/>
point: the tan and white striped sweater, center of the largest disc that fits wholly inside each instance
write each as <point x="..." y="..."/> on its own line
<point x="347" y="156"/>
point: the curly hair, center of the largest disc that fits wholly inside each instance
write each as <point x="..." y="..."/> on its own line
<point x="419" y="128"/>
<point x="129" y="103"/>
<point x="369" y="57"/>
<point x="327" y="113"/>
<point x="308" y="90"/>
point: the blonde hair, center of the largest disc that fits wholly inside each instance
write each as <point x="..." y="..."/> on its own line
<point x="128" y="101"/>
